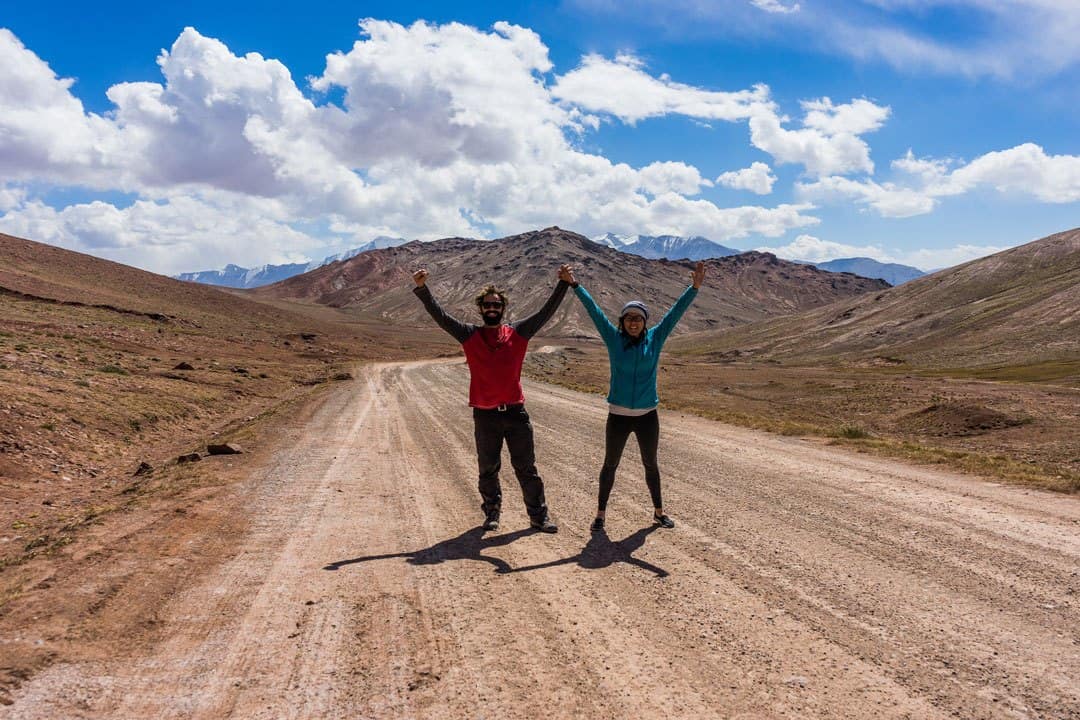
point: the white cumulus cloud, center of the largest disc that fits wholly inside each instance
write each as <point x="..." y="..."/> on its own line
<point x="1024" y="170"/>
<point x="828" y="143"/>
<point x="662" y="177"/>
<point x="623" y="88"/>
<point x="45" y="133"/>
<point x="11" y="197"/>
<point x="888" y="199"/>
<point x="427" y="142"/>
<point x="809" y="248"/>
<point x="180" y="234"/>
<point x="757" y="178"/>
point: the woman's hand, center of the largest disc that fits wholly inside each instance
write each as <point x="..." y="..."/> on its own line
<point x="566" y="274"/>
<point x="420" y="277"/>
<point x="698" y="275"/>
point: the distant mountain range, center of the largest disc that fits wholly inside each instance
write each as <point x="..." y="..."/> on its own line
<point x="235" y="276"/>
<point x="892" y="273"/>
<point x="652" y="247"/>
<point x="675" y="247"/>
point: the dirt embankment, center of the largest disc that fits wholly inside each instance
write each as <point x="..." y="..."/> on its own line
<point x="800" y="581"/>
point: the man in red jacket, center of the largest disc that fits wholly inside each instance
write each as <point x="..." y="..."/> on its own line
<point x="495" y="352"/>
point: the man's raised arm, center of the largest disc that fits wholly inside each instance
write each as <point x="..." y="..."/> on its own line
<point x="450" y="324"/>
<point x="532" y="324"/>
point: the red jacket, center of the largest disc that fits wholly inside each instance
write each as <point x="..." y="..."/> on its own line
<point x="494" y="354"/>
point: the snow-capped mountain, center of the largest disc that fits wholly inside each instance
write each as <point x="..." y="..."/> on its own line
<point x="674" y="247"/>
<point x="892" y="273"/>
<point x="614" y="241"/>
<point x="235" y="276"/>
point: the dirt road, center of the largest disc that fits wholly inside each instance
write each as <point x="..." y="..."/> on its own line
<point x="801" y="581"/>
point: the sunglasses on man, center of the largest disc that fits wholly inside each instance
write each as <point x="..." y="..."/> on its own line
<point x="491" y="305"/>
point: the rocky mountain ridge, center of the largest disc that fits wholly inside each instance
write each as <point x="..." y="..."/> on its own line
<point x="739" y="289"/>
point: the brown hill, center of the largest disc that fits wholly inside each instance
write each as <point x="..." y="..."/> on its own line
<point x="45" y="272"/>
<point x="1018" y="307"/>
<point x="739" y="289"/>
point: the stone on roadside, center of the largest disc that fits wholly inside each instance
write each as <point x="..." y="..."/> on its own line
<point x="224" y="449"/>
<point x="183" y="366"/>
<point x="189" y="457"/>
<point x="144" y="468"/>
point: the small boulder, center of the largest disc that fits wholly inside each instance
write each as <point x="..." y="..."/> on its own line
<point x="343" y="376"/>
<point x="183" y="366"/>
<point x="189" y="457"/>
<point x="144" y="468"/>
<point x="224" y="449"/>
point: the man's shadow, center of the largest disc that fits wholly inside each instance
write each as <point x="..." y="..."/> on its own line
<point x="466" y="546"/>
<point x="601" y="552"/>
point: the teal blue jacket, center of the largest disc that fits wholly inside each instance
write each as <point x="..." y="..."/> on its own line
<point x="633" y="365"/>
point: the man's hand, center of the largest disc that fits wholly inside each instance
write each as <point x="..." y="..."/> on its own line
<point x="566" y="274"/>
<point x="698" y="276"/>
<point x="420" y="277"/>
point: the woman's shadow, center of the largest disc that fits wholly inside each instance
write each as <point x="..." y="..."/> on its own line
<point x="466" y="546"/>
<point x="599" y="552"/>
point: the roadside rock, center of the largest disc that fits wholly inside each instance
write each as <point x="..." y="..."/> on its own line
<point x="224" y="449"/>
<point x="183" y="366"/>
<point x="144" y="468"/>
<point x="189" y="457"/>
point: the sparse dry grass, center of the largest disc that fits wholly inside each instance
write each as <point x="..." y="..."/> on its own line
<point x="868" y="408"/>
<point x="998" y="466"/>
<point x="87" y="393"/>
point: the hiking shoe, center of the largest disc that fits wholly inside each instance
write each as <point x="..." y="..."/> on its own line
<point x="597" y="524"/>
<point x="663" y="521"/>
<point x="544" y="525"/>
<point x="491" y="522"/>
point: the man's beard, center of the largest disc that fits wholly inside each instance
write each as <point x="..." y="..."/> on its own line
<point x="491" y="318"/>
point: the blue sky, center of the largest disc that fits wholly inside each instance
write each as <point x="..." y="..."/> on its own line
<point x="187" y="136"/>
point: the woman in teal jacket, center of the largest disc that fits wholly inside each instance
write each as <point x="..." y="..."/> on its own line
<point x="634" y="354"/>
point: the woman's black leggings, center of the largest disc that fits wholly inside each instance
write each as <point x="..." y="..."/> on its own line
<point x="647" y="429"/>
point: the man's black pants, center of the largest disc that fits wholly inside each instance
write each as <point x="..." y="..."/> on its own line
<point x="512" y="425"/>
<point x="646" y="429"/>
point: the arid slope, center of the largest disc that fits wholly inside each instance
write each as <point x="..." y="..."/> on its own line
<point x="1018" y="307"/>
<point x="89" y="383"/>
